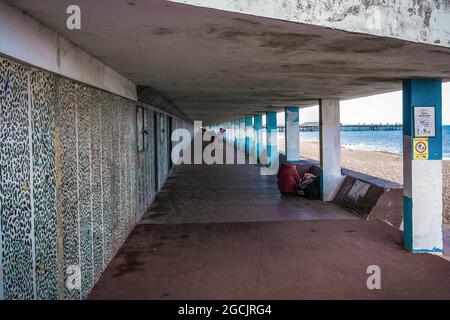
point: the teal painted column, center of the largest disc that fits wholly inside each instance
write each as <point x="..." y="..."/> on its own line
<point x="258" y="135"/>
<point x="272" y="134"/>
<point x="242" y="134"/>
<point x="292" y="133"/>
<point x="236" y="133"/>
<point x="248" y="134"/>
<point x="422" y="158"/>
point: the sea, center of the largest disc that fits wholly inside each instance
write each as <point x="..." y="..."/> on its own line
<point x="387" y="141"/>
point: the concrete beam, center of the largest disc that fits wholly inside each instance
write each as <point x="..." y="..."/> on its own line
<point x="25" y="39"/>
<point x="422" y="158"/>
<point x="334" y="63"/>
<point x="417" y="21"/>
<point x="292" y="131"/>
<point x="330" y="148"/>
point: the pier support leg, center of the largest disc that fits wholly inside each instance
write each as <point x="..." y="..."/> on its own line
<point x="292" y="133"/>
<point x="422" y="158"/>
<point x="258" y="136"/>
<point x="330" y="148"/>
<point x="272" y="132"/>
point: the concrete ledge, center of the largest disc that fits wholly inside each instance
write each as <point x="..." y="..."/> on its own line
<point x="26" y="40"/>
<point x="381" y="203"/>
<point x="383" y="200"/>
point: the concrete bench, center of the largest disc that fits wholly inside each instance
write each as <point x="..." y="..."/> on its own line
<point x="381" y="199"/>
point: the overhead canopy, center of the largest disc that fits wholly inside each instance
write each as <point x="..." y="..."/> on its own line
<point x="217" y="66"/>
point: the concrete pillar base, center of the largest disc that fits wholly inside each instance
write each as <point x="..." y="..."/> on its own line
<point x="422" y="158"/>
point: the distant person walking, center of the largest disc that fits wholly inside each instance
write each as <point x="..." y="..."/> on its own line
<point x="220" y="135"/>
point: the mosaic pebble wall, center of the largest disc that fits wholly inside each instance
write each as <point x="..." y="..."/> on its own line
<point x="141" y="158"/>
<point x="85" y="102"/>
<point x="107" y="176"/>
<point x="95" y="118"/>
<point x="72" y="182"/>
<point x="145" y="173"/>
<point x="15" y="196"/>
<point x="43" y="100"/>
<point x="150" y="161"/>
<point x="162" y="149"/>
<point x="67" y="168"/>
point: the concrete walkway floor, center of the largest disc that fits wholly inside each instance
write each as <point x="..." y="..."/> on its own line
<point x="224" y="232"/>
<point x="275" y="260"/>
<point x="232" y="193"/>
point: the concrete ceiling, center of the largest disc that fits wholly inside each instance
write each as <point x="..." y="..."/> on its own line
<point x="217" y="66"/>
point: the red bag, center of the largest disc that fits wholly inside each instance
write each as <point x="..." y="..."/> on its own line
<point x="288" y="178"/>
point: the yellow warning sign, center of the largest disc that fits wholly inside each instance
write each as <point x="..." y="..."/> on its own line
<point x="421" y="149"/>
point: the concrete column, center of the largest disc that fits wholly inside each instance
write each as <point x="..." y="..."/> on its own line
<point x="422" y="158"/>
<point x="258" y="135"/>
<point x="236" y="132"/>
<point x="292" y="138"/>
<point x="249" y="134"/>
<point x="330" y="148"/>
<point x="272" y="129"/>
<point x="242" y="134"/>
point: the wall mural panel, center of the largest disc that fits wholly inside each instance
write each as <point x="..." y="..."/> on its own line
<point x="145" y="164"/>
<point x="69" y="192"/>
<point x="151" y="157"/>
<point x="107" y="176"/>
<point x="95" y="122"/>
<point x="140" y="173"/>
<point x="162" y="150"/>
<point x="15" y="198"/>
<point x="86" y="102"/>
<point x="131" y="172"/>
<point x="43" y="101"/>
<point x="125" y="166"/>
<point x="68" y="212"/>
<point x="116" y="195"/>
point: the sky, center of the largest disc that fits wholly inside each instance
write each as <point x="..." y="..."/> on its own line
<point x="383" y="108"/>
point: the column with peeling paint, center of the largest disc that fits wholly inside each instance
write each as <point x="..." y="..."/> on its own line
<point x="422" y="157"/>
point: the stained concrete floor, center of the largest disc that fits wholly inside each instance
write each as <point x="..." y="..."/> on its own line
<point x="231" y="193"/>
<point x="224" y="232"/>
<point x="270" y="260"/>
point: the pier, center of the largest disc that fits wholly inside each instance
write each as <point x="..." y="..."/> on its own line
<point x="358" y="127"/>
